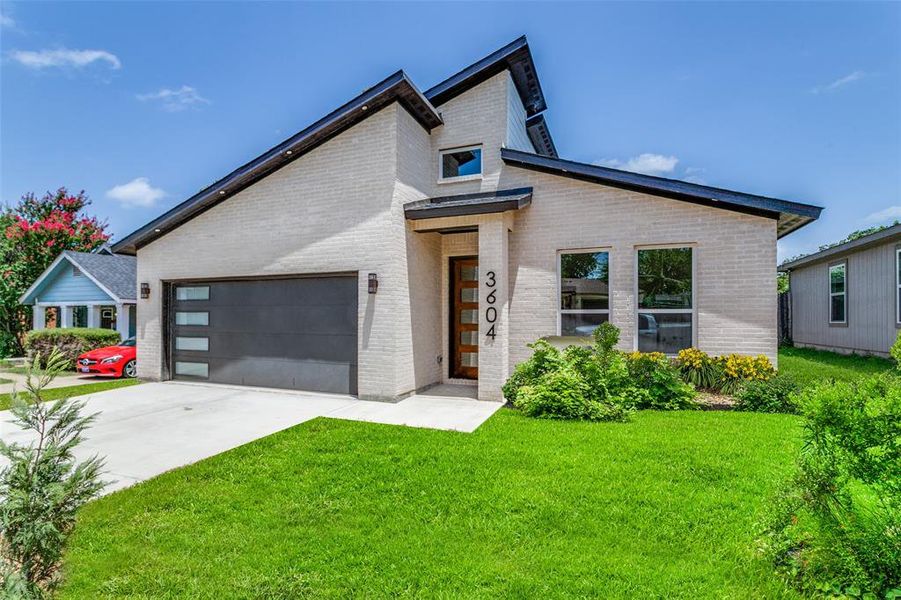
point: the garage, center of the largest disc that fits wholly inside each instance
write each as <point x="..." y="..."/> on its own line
<point x="295" y="333"/>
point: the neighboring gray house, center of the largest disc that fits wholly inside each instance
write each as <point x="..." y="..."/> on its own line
<point x="87" y="289"/>
<point x="413" y="238"/>
<point x="848" y="298"/>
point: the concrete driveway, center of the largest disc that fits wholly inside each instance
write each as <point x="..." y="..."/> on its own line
<point x="148" y="429"/>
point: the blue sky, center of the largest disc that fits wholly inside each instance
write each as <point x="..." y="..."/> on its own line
<point x="143" y="104"/>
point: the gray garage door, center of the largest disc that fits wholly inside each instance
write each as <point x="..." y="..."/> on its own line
<point x="286" y="333"/>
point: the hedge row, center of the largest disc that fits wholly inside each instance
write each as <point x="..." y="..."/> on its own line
<point x="71" y="341"/>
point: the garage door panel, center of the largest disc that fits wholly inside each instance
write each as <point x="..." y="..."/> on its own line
<point x="325" y="347"/>
<point x="290" y="374"/>
<point x="289" y="333"/>
<point x="312" y="291"/>
<point x="285" y="319"/>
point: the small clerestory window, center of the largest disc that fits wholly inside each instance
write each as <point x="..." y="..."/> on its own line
<point x="460" y="163"/>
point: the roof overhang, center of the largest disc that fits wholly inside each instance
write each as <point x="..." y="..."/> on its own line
<point x="790" y="216"/>
<point x="396" y="88"/>
<point x="480" y="203"/>
<point x="538" y="132"/>
<point x="514" y="57"/>
<point x="885" y="236"/>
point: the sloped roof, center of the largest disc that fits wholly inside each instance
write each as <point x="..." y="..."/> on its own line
<point x="115" y="274"/>
<point x="884" y="236"/>
<point x="515" y="57"/>
<point x="789" y="215"/>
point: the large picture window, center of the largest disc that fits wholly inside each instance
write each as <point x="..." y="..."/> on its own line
<point x="666" y="317"/>
<point x="584" y="291"/>
<point x="838" y="294"/>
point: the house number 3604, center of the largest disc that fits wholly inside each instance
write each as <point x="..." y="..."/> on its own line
<point x="491" y="311"/>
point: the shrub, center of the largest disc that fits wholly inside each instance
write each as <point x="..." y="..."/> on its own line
<point x="835" y="527"/>
<point x="699" y="369"/>
<point x="772" y="395"/>
<point x="738" y="369"/>
<point x="654" y="373"/>
<point x="595" y="382"/>
<point x="42" y="486"/>
<point x="563" y="394"/>
<point x="70" y="342"/>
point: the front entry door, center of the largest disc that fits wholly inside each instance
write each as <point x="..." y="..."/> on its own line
<point x="464" y="346"/>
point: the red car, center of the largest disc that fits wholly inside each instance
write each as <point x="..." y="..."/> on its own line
<point x="112" y="361"/>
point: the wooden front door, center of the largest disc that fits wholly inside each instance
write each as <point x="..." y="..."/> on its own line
<point x="464" y="342"/>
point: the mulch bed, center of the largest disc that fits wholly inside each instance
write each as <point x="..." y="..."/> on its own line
<point x="715" y="401"/>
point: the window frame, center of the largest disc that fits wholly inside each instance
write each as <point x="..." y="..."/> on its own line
<point x="844" y="265"/>
<point x="474" y="177"/>
<point x="559" y="287"/>
<point x="898" y="286"/>
<point x="693" y="311"/>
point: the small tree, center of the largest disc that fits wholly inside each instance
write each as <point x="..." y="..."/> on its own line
<point x="32" y="234"/>
<point x="43" y="486"/>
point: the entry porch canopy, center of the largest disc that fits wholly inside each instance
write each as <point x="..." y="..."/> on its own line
<point x="490" y="214"/>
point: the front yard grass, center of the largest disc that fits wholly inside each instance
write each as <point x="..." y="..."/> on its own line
<point x="73" y="390"/>
<point x="812" y="366"/>
<point x="664" y="506"/>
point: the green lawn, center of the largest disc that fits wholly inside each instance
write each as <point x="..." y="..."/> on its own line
<point x="811" y="366"/>
<point x="74" y="390"/>
<point x="5" y="380"/>
<point x="664" y="506"/>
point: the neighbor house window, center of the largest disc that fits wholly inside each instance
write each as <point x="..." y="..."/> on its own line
<point x="838" y="293"/>
<point x="665" y="316"/>
<point x="898" y="284"/>
<point x="460" y="163"/>
<point x="584" y="291"/>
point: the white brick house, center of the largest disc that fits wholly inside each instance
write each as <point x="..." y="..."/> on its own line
<point x="409" y="239"/>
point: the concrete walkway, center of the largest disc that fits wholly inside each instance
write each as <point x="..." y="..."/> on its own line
<point x="65" y="380"/>
<point x="148" y="429"/>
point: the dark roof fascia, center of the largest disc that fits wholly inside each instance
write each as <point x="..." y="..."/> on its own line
<point x="516" y="57"/>
<point x="793" y="214"/>
<point x="397" y="87"/>
<point x="540" y="135"/>
<point x="479" y="203"/>
<point x="886" y="236"/>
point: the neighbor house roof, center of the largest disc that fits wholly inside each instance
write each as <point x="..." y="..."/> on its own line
<point x="115" y="274"/>
<point x="789" y="215"/>
<point x="885" y="236"/>
<point x="514" y="57"/>
<point x="468" y="204"/>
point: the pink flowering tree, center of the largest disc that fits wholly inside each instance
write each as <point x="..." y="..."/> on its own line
<point x="32" y="234"/>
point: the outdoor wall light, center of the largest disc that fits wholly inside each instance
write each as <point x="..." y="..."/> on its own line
<point x="145" y="290"/>
<point x="373" y="283"/>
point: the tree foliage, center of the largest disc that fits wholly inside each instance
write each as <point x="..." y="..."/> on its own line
<point x="32" y="234"/>
<point x="42" y="487"/>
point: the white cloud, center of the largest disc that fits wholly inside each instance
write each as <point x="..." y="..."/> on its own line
<point x="7" y="21"/>
<point x="649" y="164"/>
<point x="44" y="59"/>
<point x="136" y="193"/>
<point x="883" y="216"/>
<point x="175" y="100"/>
<point x="839" y="83"/>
